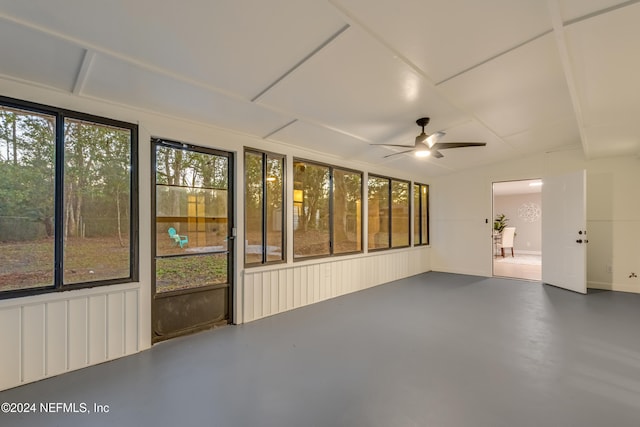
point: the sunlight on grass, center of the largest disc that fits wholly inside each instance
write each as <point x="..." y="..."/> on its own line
<point x="190" y="272"/>
<point x="30" y="264"/>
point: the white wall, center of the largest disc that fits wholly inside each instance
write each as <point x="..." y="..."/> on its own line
<point x="270" y="291"/>
<point x="528" y="233"/>
<point x="613" y="224"/>
<point x="47" y="335"/>
<point x="54" y="333"/>
<point x="461" y="241"/>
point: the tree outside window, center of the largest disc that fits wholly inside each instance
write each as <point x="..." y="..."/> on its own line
<point x="264" y="213"/>
<point x="421" y="214"/>
<point x="389" y="207"/>
<point x="327" y="210"/>
<point x="67" y="202"/>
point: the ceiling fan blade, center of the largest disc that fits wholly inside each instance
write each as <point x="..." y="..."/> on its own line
<point x="433" y="138"/>
<point x="393" y="145"/>
<point x="399" y="152"/>
<point x="445" y="145"/>
<point x="426" y="144"/>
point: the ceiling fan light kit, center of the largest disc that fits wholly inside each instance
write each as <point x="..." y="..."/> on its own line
<point x="427" y="145"/>
<point x="422" y="122"/>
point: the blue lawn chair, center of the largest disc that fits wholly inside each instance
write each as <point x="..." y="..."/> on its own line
<point x="178" y="239"/>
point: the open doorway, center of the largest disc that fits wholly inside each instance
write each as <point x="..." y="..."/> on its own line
<point x="517" y="229"/>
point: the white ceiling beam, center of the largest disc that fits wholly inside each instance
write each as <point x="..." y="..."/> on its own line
<point x="561" y="43"/>
<point x="600" y="12"/>
<point x="496" y="56"/>
<point x="83" y="72"/>
<point x="302" y="61"/>
<point x="273" y="132"/>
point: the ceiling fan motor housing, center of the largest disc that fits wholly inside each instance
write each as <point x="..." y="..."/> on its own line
<point x="422" y="122"/>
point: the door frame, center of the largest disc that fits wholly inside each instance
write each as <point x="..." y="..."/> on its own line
<point x="231" y="237"/>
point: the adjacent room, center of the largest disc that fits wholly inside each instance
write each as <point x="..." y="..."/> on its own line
<point x="319" y="212"/>
<point x="517" y="229"/>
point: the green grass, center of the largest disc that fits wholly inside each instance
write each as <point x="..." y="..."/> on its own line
<point x="190" y="272"/>
<point x="30" y="265"/>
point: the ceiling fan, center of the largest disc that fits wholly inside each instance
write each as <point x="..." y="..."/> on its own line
<point x="428" y="145"/>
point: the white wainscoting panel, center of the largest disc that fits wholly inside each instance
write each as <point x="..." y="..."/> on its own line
<point x="46" y="335"/>
<point x="56" y="337"/>
<point x="97" y="329"/>
<point x="33" y="339"/>
<point x="273" y="290"/>
<point x="11" y="339"/>
<point x="77" y="333"/>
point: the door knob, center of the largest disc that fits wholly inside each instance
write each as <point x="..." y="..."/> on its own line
<point x="579" y="241"/>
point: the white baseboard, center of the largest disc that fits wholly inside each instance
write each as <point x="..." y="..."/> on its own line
<point x="613" y="287"/>
<point x="461" y="271"/>
<point x="521" y="252"/>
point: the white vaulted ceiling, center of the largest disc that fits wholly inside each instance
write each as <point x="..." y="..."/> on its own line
<point x="336" y="76"/>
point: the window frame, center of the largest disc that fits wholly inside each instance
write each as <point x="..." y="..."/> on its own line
<point x="390" y="181"/>
<point x="265" y="154"/>
<point x="419" y="207"/>
<point x="331" y="213"/>
<point x="60" y="115"/>
<point x="380" y="177"/>
<point x="156" y="142"/>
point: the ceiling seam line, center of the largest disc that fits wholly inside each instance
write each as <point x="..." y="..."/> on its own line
<point x="302" y="61"/>
<point x="145" y="110"/>
<point x="83" y="72"/>
<point x="599" y="12"/>
<point x="511" y="49"/>
<point x="209" y="125"/>
<point x="545" y="125"/>
<point x="156" y="69"/>
<point x="279" y="129"/>
<point x="349" y="16"/>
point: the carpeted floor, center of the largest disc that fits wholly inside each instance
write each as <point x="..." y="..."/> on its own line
<point x="520" y="259"/>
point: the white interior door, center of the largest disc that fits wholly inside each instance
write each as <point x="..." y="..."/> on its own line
<point x="564" y="232"/>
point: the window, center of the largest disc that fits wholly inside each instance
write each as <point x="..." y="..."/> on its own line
<point x="327" y="210"/>
<point x="347" y="209"/>
<point x="421" y="214"/>
<point x="311" y="188"/>
<point x="68" y="206"/>
<point x="264" y="213"/>
<point x="378" y="213"/>
<point x="400" y="208"/>
<point x="389" y="207"/>
<point x="27" y="173"/>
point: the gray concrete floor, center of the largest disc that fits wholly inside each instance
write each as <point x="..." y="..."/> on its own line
<point x="432" y="350"/>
